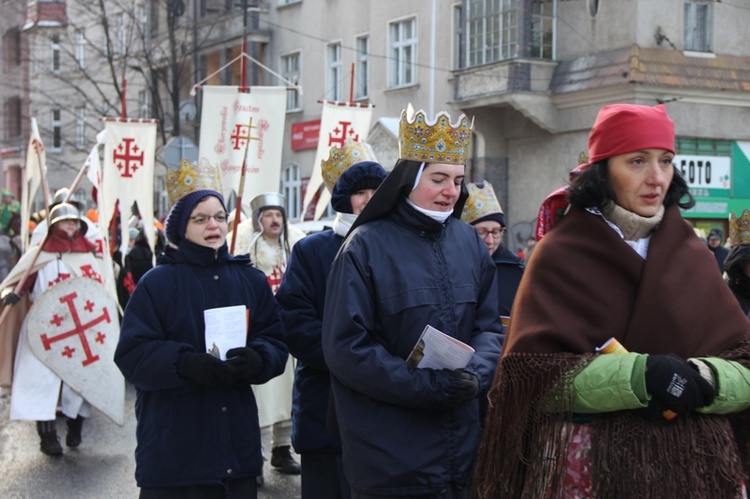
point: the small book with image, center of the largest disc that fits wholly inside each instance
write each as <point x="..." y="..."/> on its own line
<point x="437" y="350"/>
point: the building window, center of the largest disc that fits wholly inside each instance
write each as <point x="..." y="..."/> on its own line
<point x="291" y="187"/>
<point x="492" y="27"/>
<point x="13" y="117"/>
<point x="81" y="127"/>
<point x="56" y="131"/>
<point x="698" y="26"/>
<point x="153" y="17"/>
<point x="459" y="43"/>
<point x="81" y="48"/>
<point x="144" y="107"/>
<point x="121" y="34"/>
<point x="333" y="81"/>
<point x="403" y="52"/>
<point x="12" y="44"/>
<point x="542" y="29"/>
<point x="363" y="67"/>
<point x="55" y="54"/>
<point x="290" y="70"/>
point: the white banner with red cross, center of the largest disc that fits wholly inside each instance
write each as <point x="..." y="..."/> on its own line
<point x="231" y="119"/>
<point x="73" y="329"/>
<point x="128" y="174"/>
<point x="34" y="174"/>
<point x="337" y="123"/>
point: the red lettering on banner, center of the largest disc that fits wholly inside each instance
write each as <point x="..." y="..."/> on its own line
<point x="79" y="330"/>
<point x="126" y="157"/>
<point x="341" y="133"/>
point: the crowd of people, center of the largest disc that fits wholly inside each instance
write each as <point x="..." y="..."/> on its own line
<point x="406" y="351"/>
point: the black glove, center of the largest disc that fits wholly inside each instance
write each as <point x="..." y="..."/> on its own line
<point x="11" y="299"/>
<point x="206" y="369"/>
<point x="246" y="361"/>
<point x="676" y="385"/>
<point x="465" y="389"/>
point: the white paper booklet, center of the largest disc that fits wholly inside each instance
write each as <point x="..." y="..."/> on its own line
<point x="226" y="328"/>
<point x="437" y="350"/>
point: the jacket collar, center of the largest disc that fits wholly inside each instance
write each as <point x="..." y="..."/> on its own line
<point x="196" y="254"/>
<point x="419" y="221"/>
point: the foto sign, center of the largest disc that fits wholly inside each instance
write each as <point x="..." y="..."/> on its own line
<point x="705" y="175"/>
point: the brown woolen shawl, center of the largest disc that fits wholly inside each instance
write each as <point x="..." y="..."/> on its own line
<point x="584" y="286"/>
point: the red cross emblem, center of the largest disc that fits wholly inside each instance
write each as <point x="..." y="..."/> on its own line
<point x="37" y="145"/>
<point x="274" y="280"/>
<point x="79" y="329"/>
<point x="128" y="157"/>
<point x="341" y="133"/>
<point x="88" y="271"/>
<point x="60" y="277"/>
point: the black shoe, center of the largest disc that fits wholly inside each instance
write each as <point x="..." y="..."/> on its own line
<point x="73" y="438"/>
<point x="281" y="459"/>
<point x="51" y="445"/>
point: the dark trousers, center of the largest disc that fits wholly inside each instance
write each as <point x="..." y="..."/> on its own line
<point x="450" y="493"/>
<point x="244" y="488"/>
<point x="323" y="477"/>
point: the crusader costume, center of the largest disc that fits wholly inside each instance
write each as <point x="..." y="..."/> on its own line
<point x="348" y="170"/>
<point x="564" y="422"/>
<point x="36" y="387"/>
<point x="407" y="431"/>
<point x="274" y="398"/>
<point x="197" y="417"/>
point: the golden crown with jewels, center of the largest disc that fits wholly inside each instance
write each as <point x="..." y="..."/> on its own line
<point x="482" y="201"/>
<point x="437" y="141"/>
<point x="739" y="228"/>
<point x="342" y="158"/>
<point x="189" y="178"/>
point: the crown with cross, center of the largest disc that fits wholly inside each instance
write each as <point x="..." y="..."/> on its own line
<point x="482" y="201"/>
<point x="739" y="228"/>
<point x="342" y="158"/>
<point x="437" y="141"/>
<point x="189" y="178"/>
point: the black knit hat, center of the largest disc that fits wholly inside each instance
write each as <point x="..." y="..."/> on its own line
<point x="364" y="175"/>
<point x="177" y="220"/>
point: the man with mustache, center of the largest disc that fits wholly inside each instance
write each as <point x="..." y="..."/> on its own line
<point x="269" y="239"/>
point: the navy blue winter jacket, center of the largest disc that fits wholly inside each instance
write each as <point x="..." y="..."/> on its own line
<point x="302" y="297"/>
<point x="509" y="272"/>
<point x="402" y="430"/>
<point x="189" y="434"/>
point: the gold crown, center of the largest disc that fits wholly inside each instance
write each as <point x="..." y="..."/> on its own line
<point x="481" y="202"/>
<point x="739" y="228"/>
<point x="342" y="158"/>
<point x="439" y="141"/>
<point x="189" y="178"/>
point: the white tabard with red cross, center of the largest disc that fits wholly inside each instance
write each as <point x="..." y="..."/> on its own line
<point x="73" y="329"/>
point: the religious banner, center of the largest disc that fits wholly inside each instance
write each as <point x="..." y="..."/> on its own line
<point x="34" y="173"/>
<point x="73" y="329"/>
<point x="337" y="123"/>
<point x="128" y="173"/>
<point x="232" y="121"/>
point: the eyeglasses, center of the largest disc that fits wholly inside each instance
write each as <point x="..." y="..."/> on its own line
<point x="496" y="234"/>
<point x="203" y="219"/>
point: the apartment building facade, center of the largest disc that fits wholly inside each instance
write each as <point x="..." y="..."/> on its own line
<point x="531" y="73"/>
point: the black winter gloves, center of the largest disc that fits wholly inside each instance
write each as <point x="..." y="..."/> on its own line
<point x="676" y="385"/>
<point x="11" y="299"/>
<point x="205" y="369"/>
<point x="464" y="388"/>
<point x="247" y="363"/>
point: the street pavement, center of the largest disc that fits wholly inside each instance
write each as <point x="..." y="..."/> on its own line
<point x="103" y="467"/>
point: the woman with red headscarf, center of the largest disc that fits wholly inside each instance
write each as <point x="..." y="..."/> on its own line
<point x="618" y="261"/>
